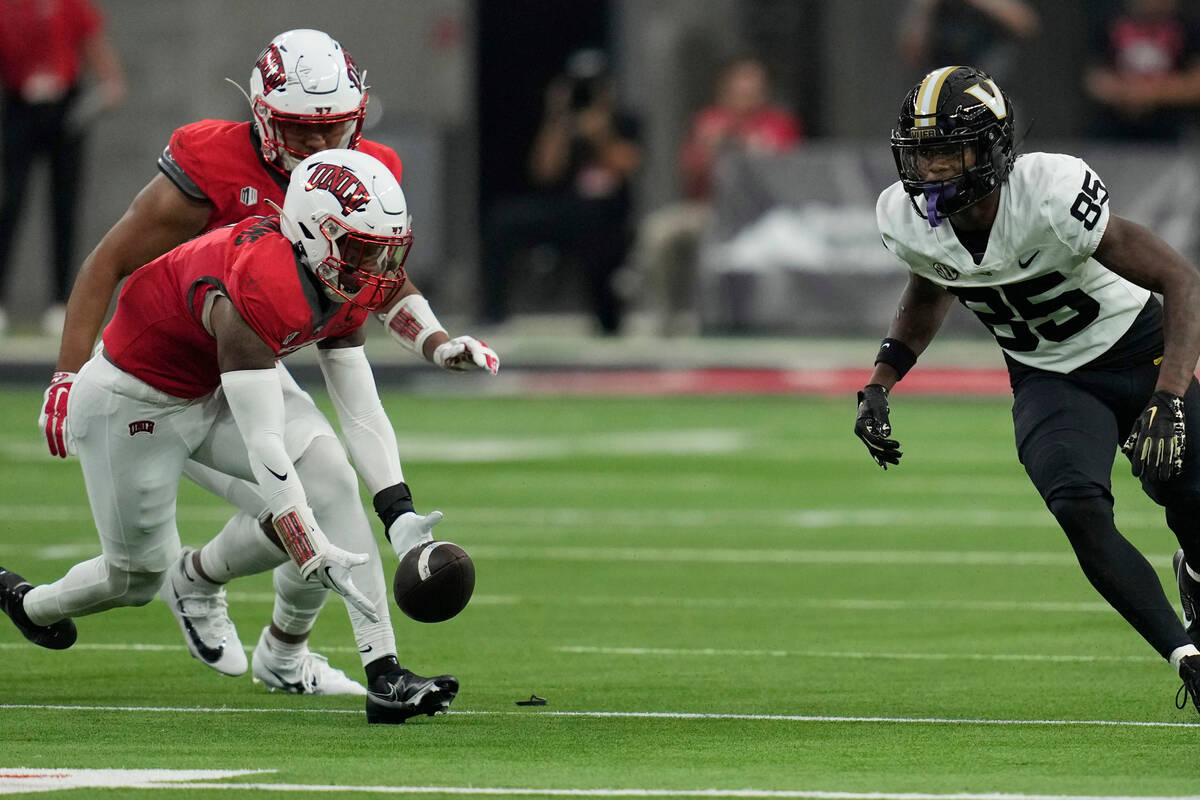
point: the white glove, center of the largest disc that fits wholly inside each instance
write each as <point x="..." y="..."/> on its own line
<point x="411" y="529"/>
<point x="316" y="556"/>
<point x="332" y="568"/>
<point x="466" y="352"/>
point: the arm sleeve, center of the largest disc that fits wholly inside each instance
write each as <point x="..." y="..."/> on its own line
<point x="256" y="399"/>
<point x="368" y="431"/>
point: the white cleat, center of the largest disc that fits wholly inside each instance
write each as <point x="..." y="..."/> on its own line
<point x="308" y="673"/>
<point x="203" y="616"/>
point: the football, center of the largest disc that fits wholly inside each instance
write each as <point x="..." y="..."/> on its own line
<point x="434" y="581"/>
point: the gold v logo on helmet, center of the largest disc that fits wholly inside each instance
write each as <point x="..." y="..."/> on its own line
<point x="993" y="100"/>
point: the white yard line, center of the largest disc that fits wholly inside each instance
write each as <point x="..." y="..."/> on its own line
<point x="800" y="794"/>
<point x="847" y="654"/>
<point x="699" y="652"/>
<point x="680" y="715"/>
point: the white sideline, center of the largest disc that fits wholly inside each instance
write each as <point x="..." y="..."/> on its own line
<point x="684" y="715"/>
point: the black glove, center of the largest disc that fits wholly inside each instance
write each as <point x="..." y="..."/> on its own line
<point x="1156" y="443"/>
<point x="872" y="425"/>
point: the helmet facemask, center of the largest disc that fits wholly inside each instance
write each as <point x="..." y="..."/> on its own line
<point x="277" y="128"/>
<point x="364" y="269"/>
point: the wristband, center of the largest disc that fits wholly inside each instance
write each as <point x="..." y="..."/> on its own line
<point x="411" y="322"/>
<point x="391" y="502"/>
<point x="897" y="355"/>
<point x="302" y="540"/>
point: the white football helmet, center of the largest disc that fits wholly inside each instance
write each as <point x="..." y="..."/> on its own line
<point x="345" y="213"/>
<point x="304" y="77"/>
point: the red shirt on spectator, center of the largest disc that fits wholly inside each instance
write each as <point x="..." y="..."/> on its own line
<point x="767" y="131"/>
<point x="40" y="38"/>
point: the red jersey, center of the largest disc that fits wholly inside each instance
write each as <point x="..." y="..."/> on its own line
<point x="157" y="333"/>
<point x="45" y="36"/>
<point x="219" y="162"/>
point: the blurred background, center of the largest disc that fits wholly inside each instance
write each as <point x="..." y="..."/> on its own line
<point x="751" y="142"/>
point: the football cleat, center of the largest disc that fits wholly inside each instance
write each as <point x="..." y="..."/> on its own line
<point x="1189" y="670"/>
<point x="56" y="636"/>
<point x="395" y="696"/>
<point x="203" y="616"/>
<point x="309" y="673"/>
<point x="1189" y="596"/>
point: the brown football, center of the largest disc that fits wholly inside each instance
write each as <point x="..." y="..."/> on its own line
<point x="434" y="581"/>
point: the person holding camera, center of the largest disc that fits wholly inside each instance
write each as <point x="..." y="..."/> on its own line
<point x="582" y="161"/>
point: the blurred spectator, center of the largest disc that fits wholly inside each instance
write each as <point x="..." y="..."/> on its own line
<point x="741" y="119"/>
<point x="984" y="33"/>
<point x="1145" y="71"/>
<point x="45" y="48"/>
<point x="583" y="158"/>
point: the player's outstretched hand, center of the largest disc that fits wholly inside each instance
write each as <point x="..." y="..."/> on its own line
<point x="1156" y="443"/>
<point x="873" y="427"/>
<point x="332" y="568"/>
<point x="410" y="529"/>
<point x="53" y="419"/>
<point x="464" y="353"/>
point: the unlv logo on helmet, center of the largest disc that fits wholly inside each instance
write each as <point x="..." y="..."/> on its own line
<point x="270" y="65"/>
<point x="352" y="72"/>
<point x="341" y="183"/>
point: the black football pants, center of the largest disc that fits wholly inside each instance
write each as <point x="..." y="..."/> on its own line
<point x="1068" y="429"/>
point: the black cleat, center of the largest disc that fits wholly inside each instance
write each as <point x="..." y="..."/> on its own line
<point x="1189" y="670"/>
<point x="395" y="696"/>
<point x="1189" y="596"/>
<point x="13" y="588"/>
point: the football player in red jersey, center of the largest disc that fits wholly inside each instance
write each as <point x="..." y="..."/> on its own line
<point x="214" y="173"/>
<point x="187" y="371"/>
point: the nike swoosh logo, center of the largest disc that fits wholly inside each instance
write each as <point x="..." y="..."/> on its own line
<point x="366" y="649"/>
<point x="208" y="654"/>
<point x="292" y="688"/>
<point x="1028" y="261"/>
<point x="282" y="477"/>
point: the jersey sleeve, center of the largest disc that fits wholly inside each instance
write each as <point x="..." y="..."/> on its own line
<point x="264" y="287"/>
<point x="180" y="164"/>
<point x="891" y="206"/>
<point x="1075" y="203"/>
<point x="170" y="166"/>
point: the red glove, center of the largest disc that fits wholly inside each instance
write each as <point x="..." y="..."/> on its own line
<point x="53" y="419"/>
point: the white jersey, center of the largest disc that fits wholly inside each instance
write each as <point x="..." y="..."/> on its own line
<point x="1046" y="300"/>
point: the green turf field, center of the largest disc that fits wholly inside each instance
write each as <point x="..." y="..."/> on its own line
<point x="714" y="594"/>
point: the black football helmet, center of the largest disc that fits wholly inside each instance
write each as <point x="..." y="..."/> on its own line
<point x="953" y="113"/>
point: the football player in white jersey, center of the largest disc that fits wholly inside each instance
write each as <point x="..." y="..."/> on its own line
<point x="1029" y="244"/>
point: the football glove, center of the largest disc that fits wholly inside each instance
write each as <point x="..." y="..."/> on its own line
<point x="466" y="352"/>
<point x="332" y="568"/>
<point x="873" y="427"/>
<point x="411" y="529"/>
<point x="1156" y="444"/>
<point x="319" y="558"/>
<point x="53" y="419"/>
